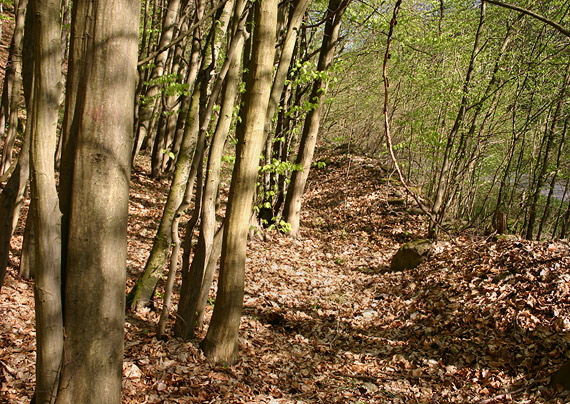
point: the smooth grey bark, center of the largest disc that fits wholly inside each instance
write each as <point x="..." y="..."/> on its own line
<point x="221" y="342"/>
<point x="292" y="207"/>
<point x="46" y="214"/>
<point x="97" y="243"/>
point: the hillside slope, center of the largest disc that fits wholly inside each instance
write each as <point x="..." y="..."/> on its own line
<point x="325" y="321"/>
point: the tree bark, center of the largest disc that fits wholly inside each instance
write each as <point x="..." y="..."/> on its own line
<point x="542" y="163"/>
<point x="443" y="181"/>
<point x="11" y="202"/>
<point x="168" y="26"/>
<point x="96" y="249"/>
<point x="221" y="342"/>
<point x="143" y="290"/>
<point x="12" y="86"/>
<point x="46" y="214"/>
<point x="12" y="197"/>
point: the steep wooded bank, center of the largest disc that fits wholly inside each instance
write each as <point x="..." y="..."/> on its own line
<point x="476" y="109"/>
<point x="326" y="321"/>
<point x="227" y="103"/>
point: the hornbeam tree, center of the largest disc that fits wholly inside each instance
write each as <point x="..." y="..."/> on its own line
<point x="84" y="364"/>
<point x="221" y="342"/>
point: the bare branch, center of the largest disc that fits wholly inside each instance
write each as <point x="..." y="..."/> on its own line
<point x="545" y="20"/>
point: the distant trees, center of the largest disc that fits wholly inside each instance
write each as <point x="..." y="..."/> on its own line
<point x="474" y="109"/>
<point x="292" y="207"/>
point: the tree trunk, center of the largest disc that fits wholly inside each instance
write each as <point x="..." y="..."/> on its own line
<point x="443" y="181"/>
<point x="195" y="282"/>
<point x="143" y="290"/>
<point x="11" y="202"/>
<point x="292" y="208"/>
<point x="12" y="197"/>
<point x="12" y="86"/>
<point x="221" y="342"/>
<point x="46" y="214"/>
<point x="168" y="26"/>
<point x="184" y="177"/>
<point x="96" y="250"/>
<point x="543" y="162"/>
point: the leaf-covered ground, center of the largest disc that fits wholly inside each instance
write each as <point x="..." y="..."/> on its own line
<point x="325" y="321"/>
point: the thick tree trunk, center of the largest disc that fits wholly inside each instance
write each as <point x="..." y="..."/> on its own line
<point x="221" y="342"/>
<point x="292" y="208"/>
<point x="46" y="214"/>
<point x="96" y="249"/>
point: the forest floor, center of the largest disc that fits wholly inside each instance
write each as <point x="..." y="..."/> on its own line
<point x="326" y="321"/>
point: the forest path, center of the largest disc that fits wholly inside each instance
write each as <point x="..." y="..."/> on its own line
<point x="325" y="321"/>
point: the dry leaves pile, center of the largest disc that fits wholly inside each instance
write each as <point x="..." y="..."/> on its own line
<point x="325" y="321"/>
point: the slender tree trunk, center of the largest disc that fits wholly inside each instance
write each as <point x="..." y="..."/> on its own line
<point x="12" y="86"/>
<point x="292" y="208"/>
<point x="143" y="290"/>
<point x="12" y="197"/>
<point x="176" y="242"/>
<point x="168" y="27"/>
<point x="195" y="282"/>
<point x="443" y="184"/>
<point x="533" y="208"/>
<point x="46" y="214"/>
<point x="221" y="342"/>
<point x="288" y="48"/>
<point x="11" y="202"/>
<point x="96" y="250"/>
<point x="184" y="176"/>
<point x="553" y="181"/>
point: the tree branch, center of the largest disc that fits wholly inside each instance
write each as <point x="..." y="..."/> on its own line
<point x="545" y="20"/>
